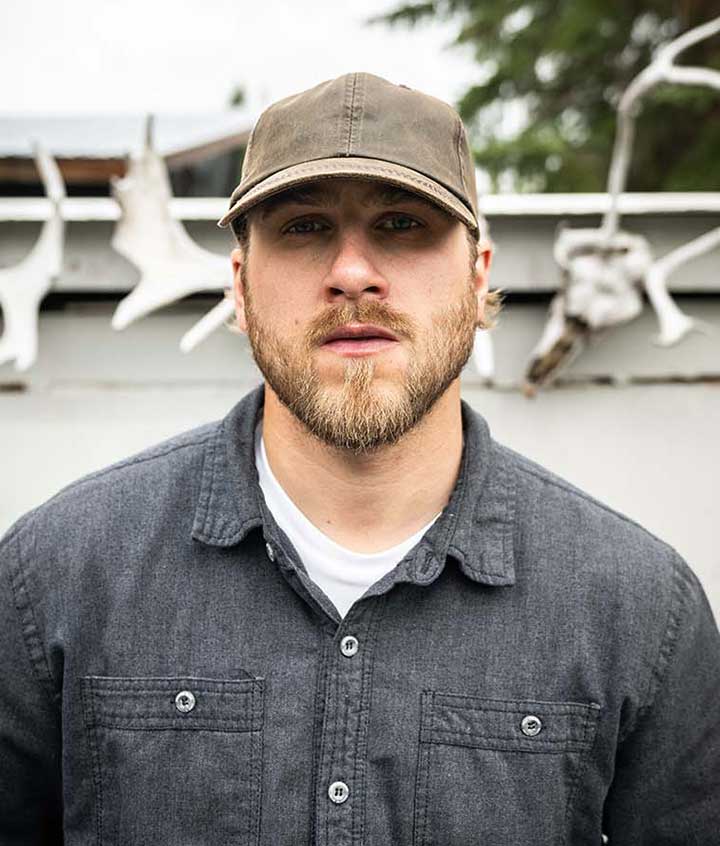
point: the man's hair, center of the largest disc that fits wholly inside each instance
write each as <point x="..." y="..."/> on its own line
<point x="493" y="302"/>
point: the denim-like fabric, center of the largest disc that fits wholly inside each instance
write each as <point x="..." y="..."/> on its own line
<point x="169" y="676"/>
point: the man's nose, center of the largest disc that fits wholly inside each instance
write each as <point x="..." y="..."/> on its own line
<point x="353" y="273"/>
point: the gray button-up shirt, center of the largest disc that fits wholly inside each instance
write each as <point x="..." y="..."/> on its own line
<point x="538" y="670"/>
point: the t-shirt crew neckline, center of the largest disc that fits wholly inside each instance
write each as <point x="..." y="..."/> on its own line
<point x="343" y="574"/>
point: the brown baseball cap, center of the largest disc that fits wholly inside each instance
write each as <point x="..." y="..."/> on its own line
<point x="363" y="127"/>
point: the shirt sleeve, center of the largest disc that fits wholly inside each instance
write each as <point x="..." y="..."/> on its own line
<point x="30" y="737"/>
<point x="666" y="786"/>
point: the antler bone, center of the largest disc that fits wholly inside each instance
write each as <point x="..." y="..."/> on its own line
<point x="171" y="264"/>
<point x="603" y="268"/>
<point x="23" y="286"/>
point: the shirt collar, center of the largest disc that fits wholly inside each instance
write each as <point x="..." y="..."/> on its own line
<point x="476" y="527"/>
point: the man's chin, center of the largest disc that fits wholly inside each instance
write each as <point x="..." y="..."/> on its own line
<point x="355" y="415"/>
<point x="384" y="368"/>
<point x="362" y="390"/>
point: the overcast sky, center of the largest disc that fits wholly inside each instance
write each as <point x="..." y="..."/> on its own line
<point x="178" y="56"/>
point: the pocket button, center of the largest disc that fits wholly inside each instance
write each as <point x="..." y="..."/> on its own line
<point x="531" y="725"/>
<point x="338" y="792"/>
<point x="184" y="701"/>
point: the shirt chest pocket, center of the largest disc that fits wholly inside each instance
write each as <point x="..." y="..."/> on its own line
<point x="498" y="771"/>
<point x="176" y="760"/>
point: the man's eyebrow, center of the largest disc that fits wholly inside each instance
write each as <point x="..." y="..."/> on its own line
<point x="314" y="196"/>
<point x="391" y="194"/>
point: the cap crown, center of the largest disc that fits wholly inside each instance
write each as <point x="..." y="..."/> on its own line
<point x="362" y="115"/>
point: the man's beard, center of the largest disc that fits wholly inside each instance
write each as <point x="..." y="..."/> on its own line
<point x="365" y="412"/>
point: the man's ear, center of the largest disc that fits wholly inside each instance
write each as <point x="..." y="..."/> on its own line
<point x="237" y="257"/>
<point x="482" y="276"/>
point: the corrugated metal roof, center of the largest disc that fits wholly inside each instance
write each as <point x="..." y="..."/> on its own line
<point x="115" y="136"/>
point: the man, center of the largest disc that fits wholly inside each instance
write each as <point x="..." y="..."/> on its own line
<point x="345" y="614"/>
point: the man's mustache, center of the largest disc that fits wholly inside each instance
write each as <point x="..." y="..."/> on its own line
<point x="363" y="311"/>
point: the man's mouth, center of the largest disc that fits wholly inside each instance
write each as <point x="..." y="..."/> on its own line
<point x="358" y="339"/>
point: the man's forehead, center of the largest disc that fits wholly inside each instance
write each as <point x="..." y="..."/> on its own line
<point x="328" y="192"/>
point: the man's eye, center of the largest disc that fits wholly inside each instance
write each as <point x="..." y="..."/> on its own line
<point x="305" y="227"/>
<point x="399" y="223"/>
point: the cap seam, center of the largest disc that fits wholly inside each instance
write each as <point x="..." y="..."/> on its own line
<point x="361" y="88"/>
<point x="349" y="110"/>
<point x="460" y="161"/>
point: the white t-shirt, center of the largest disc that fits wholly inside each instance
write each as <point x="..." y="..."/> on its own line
<point x="342" y="575"/>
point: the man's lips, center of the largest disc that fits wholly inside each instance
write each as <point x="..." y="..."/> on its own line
<point x="353" y="331"/>
<point x="358" y="339"/>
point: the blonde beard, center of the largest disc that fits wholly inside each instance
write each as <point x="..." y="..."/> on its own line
<point x="365" y="412"/>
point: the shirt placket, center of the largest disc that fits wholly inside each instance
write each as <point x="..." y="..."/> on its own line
<point x="344" y="703"/>
<point x="340" y="797"/>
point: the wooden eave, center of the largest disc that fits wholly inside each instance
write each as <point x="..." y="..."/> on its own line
<point x="75" y="171"/>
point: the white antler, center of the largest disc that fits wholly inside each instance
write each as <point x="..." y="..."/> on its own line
<point x="23" y="286"/>
<point x="562" y="340"/>
<point x="171" y="264"/>
<point x="212" y="320"/>
<point x="675" y="324"/>
<point x="483" y="355"/>
<point x="661" y="69"/>
<point x="604" y="267"/>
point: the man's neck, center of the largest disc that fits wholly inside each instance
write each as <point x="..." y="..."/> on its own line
<point x="368" y="502"/>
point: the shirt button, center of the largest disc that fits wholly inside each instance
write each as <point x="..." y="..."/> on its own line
<point x="531" y="725"/>
<point x="184" y="701"/>
<point x="270" y="552"/>
<point x="338" y="792"/>
<point x="349" y="646"/>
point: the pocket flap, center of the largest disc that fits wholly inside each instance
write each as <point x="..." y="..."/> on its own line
<point x="522" y="725"/>
<point x="178" y="702"/>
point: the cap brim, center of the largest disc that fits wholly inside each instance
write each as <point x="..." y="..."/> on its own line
<point x="358" y="168"/>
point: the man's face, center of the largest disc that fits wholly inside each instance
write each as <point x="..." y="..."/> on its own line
<point x="360" y="303"/>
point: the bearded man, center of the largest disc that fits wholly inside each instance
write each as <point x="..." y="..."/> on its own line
<point x="345" y="614"/>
